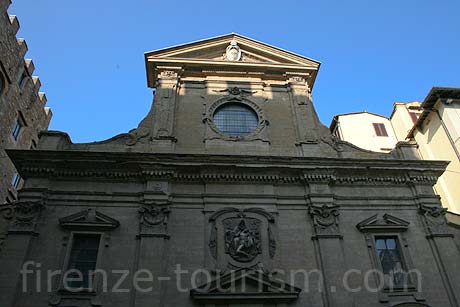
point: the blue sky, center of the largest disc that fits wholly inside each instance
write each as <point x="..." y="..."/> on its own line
<point x="89" y="54"/>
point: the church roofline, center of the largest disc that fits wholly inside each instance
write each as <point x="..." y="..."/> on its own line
<point x="171" y="56"/>
<point x="153" y="52"/>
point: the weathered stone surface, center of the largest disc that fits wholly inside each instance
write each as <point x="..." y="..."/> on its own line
<point x="17" y="100"/>
<point x="287" y="198"/>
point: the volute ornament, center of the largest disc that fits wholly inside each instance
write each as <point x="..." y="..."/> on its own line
<point x="154" y="220"/>
<point x="435" y="220"/>
<point x="325" y="219"/>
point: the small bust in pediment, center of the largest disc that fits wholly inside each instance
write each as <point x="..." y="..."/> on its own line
<point x="233" y="52"/>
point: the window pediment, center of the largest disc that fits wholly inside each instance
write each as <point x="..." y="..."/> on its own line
<point x="387" y="223"/>
<point x="245" y="285"/>
<point x="89" y="219"/>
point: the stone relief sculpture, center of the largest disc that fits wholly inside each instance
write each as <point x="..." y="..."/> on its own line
<point x="242" y="238"/>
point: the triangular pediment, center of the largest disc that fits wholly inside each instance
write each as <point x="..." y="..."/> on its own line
<point x="230" y="52"/>
<point x="88" y="218"/>
<point x="387" y="222"/>
<point x="214" y="49"/>
<point x="247" y="285"/>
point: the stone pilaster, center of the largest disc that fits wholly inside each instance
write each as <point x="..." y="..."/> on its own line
<point x="328" y="242"/>
<point x="153" y="232"/>
<point x="443" y="247"/>
<point x="165" y="103"/>
<point x="21" y="219"/>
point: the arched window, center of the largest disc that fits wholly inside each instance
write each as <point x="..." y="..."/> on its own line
<point x="235" y="119"/>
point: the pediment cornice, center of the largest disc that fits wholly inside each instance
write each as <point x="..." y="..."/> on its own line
<point x="247" y="285"/>
<point x="209" y="55"/>
<point x="386" y="223"/>
<point x="89" y="219"/>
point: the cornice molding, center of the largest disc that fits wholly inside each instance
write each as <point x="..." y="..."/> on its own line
<point x="224" y="168"/>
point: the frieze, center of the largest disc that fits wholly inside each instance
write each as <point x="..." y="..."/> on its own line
<point x="231" y="177"/>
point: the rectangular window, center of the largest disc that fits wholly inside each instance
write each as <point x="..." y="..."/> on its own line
<point x="389" y="255"/>
<point x="16" y="129"/>
<point x="16" y="180"/>
<point x="380" y="129"/>
<point x="82" y="259"/>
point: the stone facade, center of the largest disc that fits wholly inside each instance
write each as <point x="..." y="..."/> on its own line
<point x="206" y="218"/>
<point x="20" y="100"/>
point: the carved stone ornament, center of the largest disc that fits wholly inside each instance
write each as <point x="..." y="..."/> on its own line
<point x="236" y="91"/>
<point x="168" y="74"/>
<point x="135" y="135"/>
<point x="23" y="215"/>
<point x="325" y="220"/>
<point x="334" y="142"/>
<point x="435" y="220"/>
<point x="233" y="52"/>
<point x="297" y="79"/>
<point x="242" y="238"/>
<point x="154" y="220"/>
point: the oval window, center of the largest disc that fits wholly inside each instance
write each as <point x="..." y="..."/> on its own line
<point x="235" y="119"/>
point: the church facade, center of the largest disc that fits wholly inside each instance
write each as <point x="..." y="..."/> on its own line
<point x="230" y="192"/>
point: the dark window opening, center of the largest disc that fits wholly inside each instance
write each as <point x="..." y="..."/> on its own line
<point x="16" y="129"/>
<point x="83" y="258"/>
<point x="16" y="180"/>
<point x="389" y="255"/>
<point x="380" y="129"/>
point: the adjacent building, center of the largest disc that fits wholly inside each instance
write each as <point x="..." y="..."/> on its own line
<point x="366" y="130"/>
<point x="22" y="106"/>
<point x="433" y="124"/>
<point x="437" y="133"/>
<point x="230" y="192"/>
<point x="403" y="118"/>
